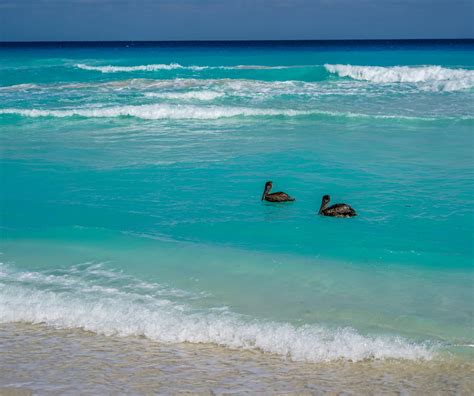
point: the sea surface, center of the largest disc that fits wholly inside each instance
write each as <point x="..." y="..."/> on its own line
<point x="134" y="238"/>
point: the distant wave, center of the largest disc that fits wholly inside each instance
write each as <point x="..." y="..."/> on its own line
<point x="172" y="66"/>
<point x="244" y="87"/>
<point x="19" y="87"/>
<point x="434" y="77"/>
<point x="263" y="67"/>
<point x="209" y="112"/>
<point x="87" y="296"/>
<point x="117" y="69"/>
<point x="159" y="111"/>
<point x="198" y="95"/>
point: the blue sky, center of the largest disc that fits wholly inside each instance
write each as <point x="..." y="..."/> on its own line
<point x="42" y="20"/>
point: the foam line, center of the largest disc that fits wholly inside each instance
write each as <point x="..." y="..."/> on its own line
<point x="158" y="111"/>
<point x="89" y="298"/>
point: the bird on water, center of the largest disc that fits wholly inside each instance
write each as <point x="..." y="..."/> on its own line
<point x="336" y="210"/>
<point x="275" y="197"/>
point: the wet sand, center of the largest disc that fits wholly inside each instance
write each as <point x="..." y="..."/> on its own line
<point x="42" y="360"/>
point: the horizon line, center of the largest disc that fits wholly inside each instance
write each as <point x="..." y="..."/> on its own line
<point x="227" y="40"/>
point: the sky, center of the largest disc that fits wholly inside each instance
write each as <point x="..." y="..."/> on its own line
<point x="102" y="20"/>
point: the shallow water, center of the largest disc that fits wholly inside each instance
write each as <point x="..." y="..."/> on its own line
<point x="131" y="185"/>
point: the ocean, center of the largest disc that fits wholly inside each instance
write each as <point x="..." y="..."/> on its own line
<point x="133" y="235"/>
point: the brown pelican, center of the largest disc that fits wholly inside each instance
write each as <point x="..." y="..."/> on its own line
<point x="336" y="210"/>
<point x="275" y="197"/>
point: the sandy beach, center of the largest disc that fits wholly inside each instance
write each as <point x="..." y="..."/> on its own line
<point x="42" y="360"/>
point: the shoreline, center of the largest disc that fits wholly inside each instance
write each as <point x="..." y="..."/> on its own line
<point x="42" y="359"/>
<point x="94" y="286"/>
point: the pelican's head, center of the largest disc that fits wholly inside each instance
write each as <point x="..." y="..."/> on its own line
<point x="267" y="189"/>
<point x="324" y="202"/>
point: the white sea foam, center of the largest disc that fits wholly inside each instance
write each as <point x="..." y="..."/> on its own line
<point x="159" y="111"/>
<point x="256" y="89"/>
<point x="208" y="112"/>
<point x="118" y="69"/>
<point x="224" y="85"/>
<point x="89" y="297"/>
<point x="227" y="86"/>
<point x="172" y="66"/>
<point x="259" y="67"/>
<point x="19" y="87"/>
<point x="430" y="77"/>
<point x="197" y="95"/>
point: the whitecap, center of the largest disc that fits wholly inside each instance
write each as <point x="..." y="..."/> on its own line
<point x="118" y="69"/>
<point x="166" y="111"/>
<point x="435" y="78"/>
<point x="171" y="66"/>
<point x="159" y="111"/>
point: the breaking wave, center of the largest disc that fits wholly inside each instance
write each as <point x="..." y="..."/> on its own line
<point x="104" y="301"/>
<point x="432" y="77"/>
<point x="118" y="69"/>
<point x="210" y="112"/>
<point x="172" y="66"/>
<point x="159" y="111"/>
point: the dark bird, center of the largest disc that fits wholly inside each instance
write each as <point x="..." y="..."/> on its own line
<point x="336" y="210"/>
<point x="275" y="197"/>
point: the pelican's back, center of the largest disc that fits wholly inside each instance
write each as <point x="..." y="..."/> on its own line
<point x="278" y="197"/>
<point x="339" y="210"/>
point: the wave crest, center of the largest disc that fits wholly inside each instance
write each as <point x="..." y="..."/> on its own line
<point x="209" y="112"/>
<point x="118" y="69"/>
<point x="172" y="66"/>
<point x="434" y="77"/>
<point x="159" y="111"/>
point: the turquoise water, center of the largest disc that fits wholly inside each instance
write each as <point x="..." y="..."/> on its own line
<point x="132" y="176"/>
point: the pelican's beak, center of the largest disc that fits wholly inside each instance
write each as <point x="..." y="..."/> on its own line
<point x="265" y="191"/>
<point x="321" y="207"/>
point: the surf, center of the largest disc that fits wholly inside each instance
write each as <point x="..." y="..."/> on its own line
<point x="92" y="297"/>
<point x="159" y="112"/>
<point x="172" y="66"/>
<point x="166" y="111"/>
<point x="434" y="77"/>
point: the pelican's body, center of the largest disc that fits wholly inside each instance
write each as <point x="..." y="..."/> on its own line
<point x="336" y="210"/>
<point x="275" y="197"/>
